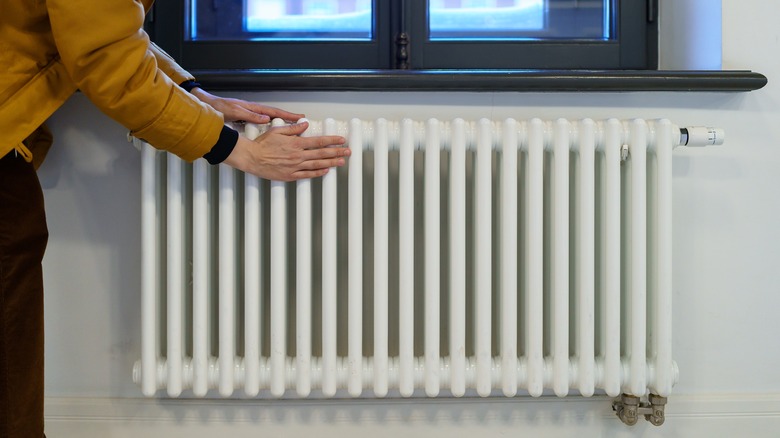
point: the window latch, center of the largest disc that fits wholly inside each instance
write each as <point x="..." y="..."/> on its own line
<point x="652" y="10"/>
<point x="402" y="51"/>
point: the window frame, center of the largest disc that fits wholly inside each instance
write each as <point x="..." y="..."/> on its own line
<point x="635" y="46"/>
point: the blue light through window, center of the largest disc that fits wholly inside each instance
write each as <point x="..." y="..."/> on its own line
<point x="310" y="19"/>
<point x="519" y="19"/>
<point x="353" y="20"/>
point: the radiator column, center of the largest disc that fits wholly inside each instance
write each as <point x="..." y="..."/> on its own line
<point x="150" y="261"/>
<point x="638" y="341"/>
<point x="227" y="279"/>
<point x="329" y="270"/>
<point x="432" y="263"/>
<point x="585" y="268"/>
<point x="355" y="269"/>
<point x="201" y="278"/>
<point x="381" y="259"/>
<point x="509" y="265"/>
<point x="458" y="259"/>
<point x="279" y="244"/>
<point x="406" y="259"/>
<point x="303" y="284"/>
<point x="613" y="143"/>
<point x="175" y="277"/>
<point x="560" y="245"/>
<point x="535" y="259"/>
<point x="252" y="280"/>
<point x="484" y="236"/>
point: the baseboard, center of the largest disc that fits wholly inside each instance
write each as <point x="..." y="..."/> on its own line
<point x="753" y="415"/>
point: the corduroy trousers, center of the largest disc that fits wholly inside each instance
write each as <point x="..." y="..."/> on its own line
<point x="23" y="237"/>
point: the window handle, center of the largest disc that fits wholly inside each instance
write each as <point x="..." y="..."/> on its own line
<point x="652" y="10"/>
<point x="402" y="51"/>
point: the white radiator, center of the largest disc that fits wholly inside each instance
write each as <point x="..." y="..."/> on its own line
<point x="446" y="259"/>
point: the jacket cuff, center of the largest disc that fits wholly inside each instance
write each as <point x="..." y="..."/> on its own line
<point x="189" y="85"/>
<point x="228" y="139"/>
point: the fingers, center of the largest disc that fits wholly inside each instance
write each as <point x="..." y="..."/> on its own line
<point x="234" y="111"/>
<point x="292" y="129"/>
<point x="323" y="164"/>
<point x="307" y="174"/>
<point x="276" y="113"/>
<point x="238" y="109"/>
<point x="251" y="116"/>
<point x="316" y="142"/>
<point x="321" y="142"/>
<point x="325" y="153"/>
<point x="269" y="111"/>
<point x="316" y="162"/>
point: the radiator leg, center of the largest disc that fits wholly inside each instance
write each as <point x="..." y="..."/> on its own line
<point x="629" y="407"/>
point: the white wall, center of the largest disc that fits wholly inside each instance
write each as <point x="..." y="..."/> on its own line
<point x="726" y="276"/>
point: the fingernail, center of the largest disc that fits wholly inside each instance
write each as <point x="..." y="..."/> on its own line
<point x="341" y="162"/>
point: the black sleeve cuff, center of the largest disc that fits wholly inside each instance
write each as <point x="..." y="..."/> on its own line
<point x="189" y="85"/>
<point x="228" y="139"/>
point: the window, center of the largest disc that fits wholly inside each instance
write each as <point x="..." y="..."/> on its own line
<point x="408" y="34"/>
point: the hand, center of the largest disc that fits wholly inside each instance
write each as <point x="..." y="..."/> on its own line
<point x="280" y="154"/>
<point x="235" y="110"/>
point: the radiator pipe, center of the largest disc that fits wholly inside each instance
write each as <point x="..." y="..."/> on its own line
<point x="697" y="136"/>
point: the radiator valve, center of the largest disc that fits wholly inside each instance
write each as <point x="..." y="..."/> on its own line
<point x="624" y="153"/>
<point x="629" y="407"/>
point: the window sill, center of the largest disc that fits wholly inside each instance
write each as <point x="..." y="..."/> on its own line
<point x="482" y="80"/>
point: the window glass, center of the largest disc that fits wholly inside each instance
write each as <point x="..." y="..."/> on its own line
<point x="290" y="20"/>
<point x="519" y="19"/>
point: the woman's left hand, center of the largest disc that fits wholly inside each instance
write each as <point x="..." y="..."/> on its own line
<point x="235" y="110"/>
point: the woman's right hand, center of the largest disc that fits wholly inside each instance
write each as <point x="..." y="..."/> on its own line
<point x="280" y="154"/>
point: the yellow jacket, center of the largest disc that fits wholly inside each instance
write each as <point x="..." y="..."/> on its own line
<point x="51" y="48"/>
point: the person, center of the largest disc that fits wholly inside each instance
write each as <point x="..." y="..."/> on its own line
<point x="48" y="50"/>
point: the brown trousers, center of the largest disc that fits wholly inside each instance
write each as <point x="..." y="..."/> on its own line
<point x="23" y="236"/>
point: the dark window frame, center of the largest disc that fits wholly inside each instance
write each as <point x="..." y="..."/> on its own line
<point x="635" y="45"/>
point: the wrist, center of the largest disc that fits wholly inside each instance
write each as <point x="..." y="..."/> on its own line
<point x="203" y="95"/>
<point x="200" y="93"/>
<point x="237" y="157"/>
<point x="195" y="89"/>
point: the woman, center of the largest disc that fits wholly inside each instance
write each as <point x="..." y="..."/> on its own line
<point x="48" y="50"/>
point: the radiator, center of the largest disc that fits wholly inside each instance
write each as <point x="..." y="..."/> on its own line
<point x="449" y="258"/>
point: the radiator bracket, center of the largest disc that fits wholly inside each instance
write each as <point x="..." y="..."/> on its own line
<point x="629" y="407"/>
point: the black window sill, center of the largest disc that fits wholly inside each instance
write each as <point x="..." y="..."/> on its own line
<point x="481" y="80"/>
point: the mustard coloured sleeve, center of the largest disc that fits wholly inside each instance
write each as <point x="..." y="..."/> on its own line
<point x="169" y="66"/>
<point x="108" y="56"/>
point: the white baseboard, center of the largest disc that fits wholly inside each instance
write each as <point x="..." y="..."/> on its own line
<point x="747" y="415"/>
